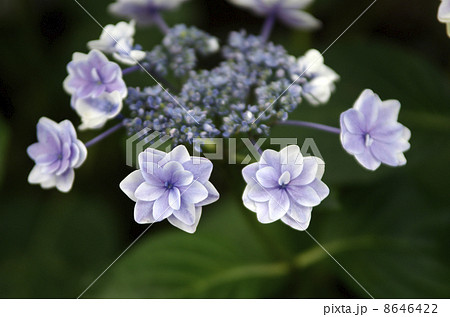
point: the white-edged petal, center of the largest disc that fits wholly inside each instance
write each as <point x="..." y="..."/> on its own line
<point x="131" y="183"/>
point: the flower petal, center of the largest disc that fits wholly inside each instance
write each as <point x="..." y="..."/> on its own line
<point x="267" y="177"/>
<point x="368" y="104"/>
<point x="270" y="158"/>
<point x="186" y="214"/>
<point x="149" y="192"/>
<point x="300" y="213"/>
<point x="304" y="195"/>
<point x="249" y="173"/>
<point x="131" y="183"/>
<point x="179" y="154"/>
<point x="174" y="198"/>
<point x="64" y="181"/>
<point x="161" y="207"/>
<point x="182" y="178"/>
<point x="278" y="204"/>
<point x="320" y="188"/>
<point x="367" y="160"/>
<point x="200" y="167"/>
<point x="386" y="153"/>
<point x="353" y="121"/>
<point x="302" y="226"/>
<point x="353" y="143"/>
<point x="262" y="212"/>
<point x="291" y="160"/>
<point x="183" y="226"/>
<point x="213" y="195"/>
<point x="143" y="212"/>
<point x="258" y="193"/>
<point x="42" y="154"/>
<point x="194" y="193"/>
<point x="309" y="172"/>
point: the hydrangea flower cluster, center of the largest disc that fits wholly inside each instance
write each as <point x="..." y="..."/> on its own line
<point x="255" y="86"/>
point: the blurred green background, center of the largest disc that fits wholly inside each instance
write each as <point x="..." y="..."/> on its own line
<point x="389" y="229"/>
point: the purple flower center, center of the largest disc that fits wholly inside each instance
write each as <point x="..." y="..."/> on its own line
<point x="168" y="185"/>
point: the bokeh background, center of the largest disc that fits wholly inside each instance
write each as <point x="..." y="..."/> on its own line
<point x="390" y="228"/>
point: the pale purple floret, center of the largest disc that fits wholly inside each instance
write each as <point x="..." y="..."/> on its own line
<point x="172" y="186"/>
<point x="143" y="11"/>
<point x="56" y="154"/>
<point x="289" y="12"/>
<point x="284" y="185"/>
<point x="90" y="75"/>
<point x="370" y="131"/>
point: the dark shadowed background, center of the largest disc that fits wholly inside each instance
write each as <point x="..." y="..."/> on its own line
<point x="389" y="229"/>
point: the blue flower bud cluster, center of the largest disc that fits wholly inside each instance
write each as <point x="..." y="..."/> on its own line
<point x="266" y="61"/>
<point x="240" y="95"/>
<point x="178" y="50"/>
<point x="159" y="111"/>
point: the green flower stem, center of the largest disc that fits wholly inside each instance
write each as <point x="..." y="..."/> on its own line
<point x="303" y="260"/>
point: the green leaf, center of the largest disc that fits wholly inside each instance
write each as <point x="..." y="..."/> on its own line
<point x="228" y="256"/>
<point x="56" y="244"/>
